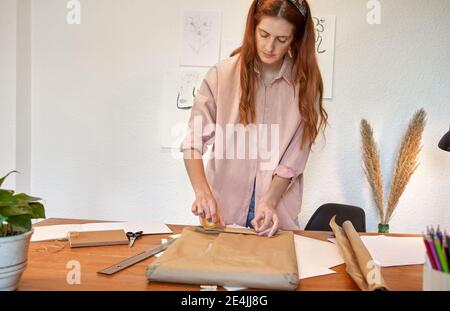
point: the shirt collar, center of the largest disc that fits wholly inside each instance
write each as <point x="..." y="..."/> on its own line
<point x="285" y="71"/>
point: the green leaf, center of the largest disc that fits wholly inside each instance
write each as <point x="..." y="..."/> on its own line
<point x="16" y="210"/>
<point x="25" y="198"/>
<point x="20" y="223"/>
<point x="37" y="210"/>
<point x="3" y="219"/>
<point x="4" y="177"/>
<point x="7" y="198"/>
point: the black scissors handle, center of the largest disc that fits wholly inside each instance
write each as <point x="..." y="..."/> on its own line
<point x="134" y="234"/>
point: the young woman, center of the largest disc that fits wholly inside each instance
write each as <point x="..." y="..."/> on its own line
<point x="272" y="88"/>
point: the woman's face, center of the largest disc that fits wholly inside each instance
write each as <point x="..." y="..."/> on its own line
<point x="274" y="36"/>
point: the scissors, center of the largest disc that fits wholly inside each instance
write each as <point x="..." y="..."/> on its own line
<point x="132" y="236"/>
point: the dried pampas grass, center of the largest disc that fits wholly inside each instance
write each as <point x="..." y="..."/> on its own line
<point x="406" y="163"/>
<point x="407" y="160"/>
<point x="372" y="165"/>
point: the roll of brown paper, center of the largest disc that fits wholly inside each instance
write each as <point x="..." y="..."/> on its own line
<point x="360" y="265"/>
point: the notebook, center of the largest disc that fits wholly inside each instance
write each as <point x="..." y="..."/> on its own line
<point x="97" y="238"/>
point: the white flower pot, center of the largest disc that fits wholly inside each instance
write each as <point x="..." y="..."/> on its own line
<point x="13" y="259"/>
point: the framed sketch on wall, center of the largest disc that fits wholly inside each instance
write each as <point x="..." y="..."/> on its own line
<point x="201" y="38"/>
<point x="325" y="27"/>
<point x="179" y="89"/>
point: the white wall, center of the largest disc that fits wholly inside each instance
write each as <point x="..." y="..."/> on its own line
<point x="15" y="92"/>
<point x="8" y="89"/>
<point x="23" y="95"/>
<point x="96" y="95"/>
<point x="384" y="73"/>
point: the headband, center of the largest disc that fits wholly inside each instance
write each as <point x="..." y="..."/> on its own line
<point x="299" y="4"/>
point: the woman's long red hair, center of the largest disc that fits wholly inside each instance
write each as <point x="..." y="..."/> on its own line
<point x="306" y="73"/>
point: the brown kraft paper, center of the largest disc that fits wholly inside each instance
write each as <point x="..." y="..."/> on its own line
<point x="229" y="259"/>
<point x="360" y="265"/>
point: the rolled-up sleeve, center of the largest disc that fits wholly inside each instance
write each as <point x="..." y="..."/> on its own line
<point x="201" y="125"/>
<point x="293" y="161"/>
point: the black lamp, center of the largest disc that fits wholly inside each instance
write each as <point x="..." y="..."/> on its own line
<point x="444" y="143"/>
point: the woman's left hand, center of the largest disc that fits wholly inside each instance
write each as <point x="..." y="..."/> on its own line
<point x="266" y="219"/>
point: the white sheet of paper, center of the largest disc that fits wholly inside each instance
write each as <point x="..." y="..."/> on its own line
<point x="395" y="251"/>
<point x="389" y="251"/>
<point x="129" y="226"/>
<point x="315" y="257"/>
<point x="307" y="273"/>
<point x="58" y="232"/>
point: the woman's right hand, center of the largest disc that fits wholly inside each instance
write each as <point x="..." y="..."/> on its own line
<point x="206" y="206"/>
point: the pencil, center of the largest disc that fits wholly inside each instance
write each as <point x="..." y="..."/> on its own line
<point x="445" y="251"/>
<point x="433" y="252"/>
<point x="429" y="252"/>
<point x="447" y="238"/>
<point x="442" y="258"/>
<point x="439" y="233"/>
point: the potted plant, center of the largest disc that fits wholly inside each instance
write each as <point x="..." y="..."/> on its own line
<point x="16" y="212"/>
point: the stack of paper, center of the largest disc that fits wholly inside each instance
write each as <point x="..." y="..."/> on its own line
<point x="59" y="232"/>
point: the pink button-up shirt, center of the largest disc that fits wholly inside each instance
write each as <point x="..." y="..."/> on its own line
<point x="269" y="146"/>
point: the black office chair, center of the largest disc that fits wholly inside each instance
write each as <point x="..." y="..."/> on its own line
<point x="321" y="218"/>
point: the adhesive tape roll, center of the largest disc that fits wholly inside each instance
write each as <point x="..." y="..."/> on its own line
<point x="208" y="224"/>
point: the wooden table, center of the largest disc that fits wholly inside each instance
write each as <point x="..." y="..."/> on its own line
<point x="47" y="267"/>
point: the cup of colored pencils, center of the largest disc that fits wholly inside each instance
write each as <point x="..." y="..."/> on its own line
<point x="436" y="274"/>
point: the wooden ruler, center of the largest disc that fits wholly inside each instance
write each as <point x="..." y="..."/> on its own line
<point x="137" y="258"/>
